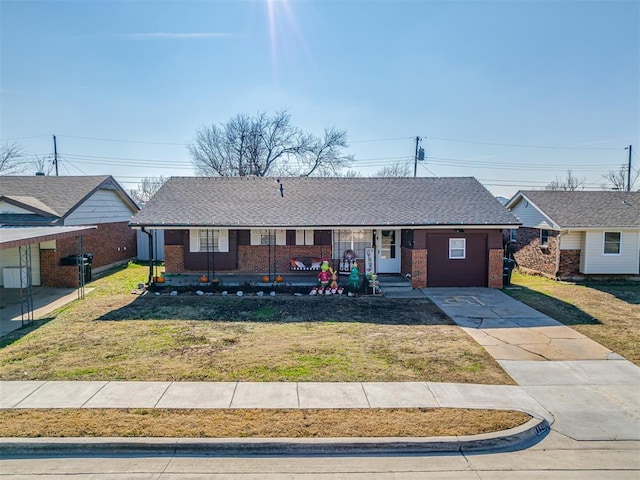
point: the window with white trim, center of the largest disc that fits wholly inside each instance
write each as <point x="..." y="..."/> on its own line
<point x="267" y="237"/>
<point x="209" y="240"/>
<point x="304" y="237"/>
<point x="612" y="243"/>
<point x="457" y="248"/>
<point x="356" y="240"/>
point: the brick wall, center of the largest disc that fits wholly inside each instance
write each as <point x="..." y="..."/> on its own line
<point x="569" y="263"/>
<point x="52" y="274"/>
<point x="174" y="259"/>
<point x="256" y="258"/>
<point x="109" y="243"/>
<point x="494" y="279"/>
<point x="419" y="269"/>
<point x="528" y="254"/>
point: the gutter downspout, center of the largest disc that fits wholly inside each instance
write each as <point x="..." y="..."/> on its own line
<point x="151" y="259"/>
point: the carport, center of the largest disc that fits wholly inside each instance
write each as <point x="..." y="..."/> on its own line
<point x="18" y="265"/>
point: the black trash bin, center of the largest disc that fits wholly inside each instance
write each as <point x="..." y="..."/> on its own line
<point x="508" y="265"/>
<point x="87" y="266"/>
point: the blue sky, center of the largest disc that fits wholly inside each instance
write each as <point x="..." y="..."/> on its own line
<point x="485" y="83"/>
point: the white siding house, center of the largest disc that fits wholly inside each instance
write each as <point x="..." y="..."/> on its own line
<point x="601" y="228"/>
<point x="104" y="206"/>
<point x="530" y="216"/>
<point x="597" y="261"/>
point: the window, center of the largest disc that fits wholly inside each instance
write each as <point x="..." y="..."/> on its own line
<point x="267" y="237"/>
<point x="209" y="240"/>
<point x="612" y="243"/>
<point x="544" y="238"/>
<point x="356" y="240"/>
<point x="304" y="237"/>
<point x="457" y="248"/>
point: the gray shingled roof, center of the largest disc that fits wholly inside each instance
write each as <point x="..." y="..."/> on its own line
<point x="59" y="194"/>
<point x="311" y="202"/>
<point x="588" y="209"/>
<point x="32" y="202"/>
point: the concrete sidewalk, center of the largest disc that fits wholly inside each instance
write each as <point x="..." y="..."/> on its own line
<point x="212" y="395"/>
<point x="223" y="395"/>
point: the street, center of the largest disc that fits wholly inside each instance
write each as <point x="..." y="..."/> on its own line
<point x="556" y="457"/>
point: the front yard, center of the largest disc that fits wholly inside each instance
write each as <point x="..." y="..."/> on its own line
<point x="605" y="311"/>
<point x="114" y="334"/>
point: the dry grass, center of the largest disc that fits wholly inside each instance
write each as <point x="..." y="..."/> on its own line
<point x="256" y="423"/>
<point x="607" y="312"/>
<point x="113" y="334"/>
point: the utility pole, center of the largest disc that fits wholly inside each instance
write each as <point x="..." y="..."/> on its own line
<point x="55" y="154"/>
<point x="415" y="159"/>
<point x="630" y="147"/>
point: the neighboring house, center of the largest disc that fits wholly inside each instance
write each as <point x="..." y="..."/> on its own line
<point x="48" y="203"/>
<point x="440" y="231"/>
<point x="572" y="233"/>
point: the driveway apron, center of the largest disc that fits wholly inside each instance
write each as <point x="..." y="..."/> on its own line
<point x="593" y="393"/>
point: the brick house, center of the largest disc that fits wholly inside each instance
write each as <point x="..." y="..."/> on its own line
<point x="440" y="231"/>
<point x="567" y="234"/>
<point x="48" y="203"/>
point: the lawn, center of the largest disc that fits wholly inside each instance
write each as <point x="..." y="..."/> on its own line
<point x="408" y="422"/>
<point x="605" y="311"/>
<point x="115" y="334"/>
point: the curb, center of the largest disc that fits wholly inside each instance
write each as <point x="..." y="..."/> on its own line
<point x="518" y="438"/>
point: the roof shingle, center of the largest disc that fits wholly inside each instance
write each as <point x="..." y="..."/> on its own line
<point x="575" y="209"/>
<point x="321" y="201"/>
<point x="59" y="195"/>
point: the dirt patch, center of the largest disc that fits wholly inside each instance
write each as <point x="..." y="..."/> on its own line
<point x="413" y="422"/>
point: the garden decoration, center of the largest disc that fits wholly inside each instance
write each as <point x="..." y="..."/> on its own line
<point x="334" y="281"/>
<point x="334" y="278"/>
<point x="324" y="276"/>
<point x="354" y="276"/>
<point x="348" y="259"/>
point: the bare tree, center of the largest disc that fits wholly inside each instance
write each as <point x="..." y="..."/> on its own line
<point x="11" y="159"/>
<point x="398" y="169"/>
<point x="147" y="188"/>
<point x="42" y="164"/>
<point x="569" y="183"/>
<point x="264" y="145"/>
<point x="618" y="179"/>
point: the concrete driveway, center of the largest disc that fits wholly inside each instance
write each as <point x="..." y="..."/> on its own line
<point x="592" y="392"/>
<point x="45" y="300"/>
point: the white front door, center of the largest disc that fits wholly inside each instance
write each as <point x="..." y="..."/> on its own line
<point x="388" y="251"/>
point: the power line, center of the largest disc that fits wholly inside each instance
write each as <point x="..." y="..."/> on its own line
<point x="381" y="140"/>
<point x="22" y="138"/>
<point x="521" y="145"/>
<point x="122" y="141"/>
